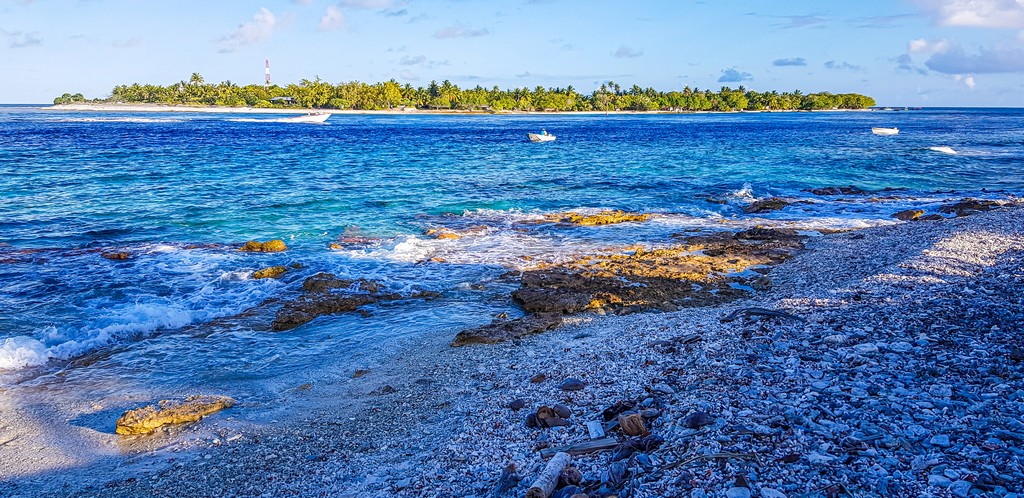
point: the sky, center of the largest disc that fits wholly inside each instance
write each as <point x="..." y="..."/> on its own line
<point x="901" y="52"/>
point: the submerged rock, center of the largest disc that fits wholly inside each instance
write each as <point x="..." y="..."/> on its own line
<point x="969" y="206"/>
<point x="849" y="190"/>
<point x="269" y="272"/>
<point x="505" y="330"/>
<point x="116" y="256"/>
<point x="602" y="218"/>
<point x="322" y="297"/>
<point x="148" y="419"/>
<point x="276" y="245"/>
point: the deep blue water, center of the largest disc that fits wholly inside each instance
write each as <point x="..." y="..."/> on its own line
<point x="179" y="191"/>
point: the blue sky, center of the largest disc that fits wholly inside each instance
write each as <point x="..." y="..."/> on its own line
<point x="902" y="52"/>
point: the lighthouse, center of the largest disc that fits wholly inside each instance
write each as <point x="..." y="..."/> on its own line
<point x="267" y="83"/>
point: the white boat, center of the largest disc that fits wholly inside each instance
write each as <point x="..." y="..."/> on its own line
<point x="943" y="149"/>
<point x="885" y="131"/>
<point x="313" y="117"/>
<point x="538" y="137"/>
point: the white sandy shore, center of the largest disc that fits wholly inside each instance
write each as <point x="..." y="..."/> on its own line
<point x="903" y="381"/>
<point x="111" y="107"/>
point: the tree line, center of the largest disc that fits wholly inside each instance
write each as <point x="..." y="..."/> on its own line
<point x="318" y="94"/>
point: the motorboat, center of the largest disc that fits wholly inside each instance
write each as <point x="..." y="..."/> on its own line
<point x="540" y="137"/>
<point x="313" y="117"/>
<point x="885" y="131"/>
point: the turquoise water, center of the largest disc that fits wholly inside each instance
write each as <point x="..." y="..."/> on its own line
<point x="180" y="191"/>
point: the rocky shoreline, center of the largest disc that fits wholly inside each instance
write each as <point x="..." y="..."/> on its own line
<point x="896" y="371"/>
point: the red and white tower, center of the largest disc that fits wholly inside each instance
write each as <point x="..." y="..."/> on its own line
<point x="268" y="73"/>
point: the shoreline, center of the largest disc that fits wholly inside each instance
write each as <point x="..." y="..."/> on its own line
<point x="123" y="107"/>
<point x="870" y="394"/>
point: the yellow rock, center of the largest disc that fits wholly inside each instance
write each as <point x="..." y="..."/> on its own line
<point x="148" y="419"/>
<point x="602" y="218"/>
<point x="271" y="272"/>
<point x="276" y="245"/>
<point x="448" y="235"/>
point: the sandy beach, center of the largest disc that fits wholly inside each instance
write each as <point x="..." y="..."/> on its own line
<point x="899" y="373"/>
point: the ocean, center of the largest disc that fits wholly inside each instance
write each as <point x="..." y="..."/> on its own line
<point x="180" y="192"/>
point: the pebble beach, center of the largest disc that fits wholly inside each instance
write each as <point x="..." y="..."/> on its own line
<point x="895" y="371"/>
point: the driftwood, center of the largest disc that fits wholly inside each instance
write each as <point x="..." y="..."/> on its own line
<point x="748" y="312"/>
<point x="582" y="448"/>
<point x="545" y="483"/>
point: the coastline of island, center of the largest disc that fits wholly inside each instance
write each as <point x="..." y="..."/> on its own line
<point x="872" y="384"/>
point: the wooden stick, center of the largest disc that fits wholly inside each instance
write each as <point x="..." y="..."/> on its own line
<point x="582" y="448"/>
<point x="545" y="483"/>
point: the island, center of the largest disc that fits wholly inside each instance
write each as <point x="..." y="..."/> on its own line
<point x="447" y="96"/>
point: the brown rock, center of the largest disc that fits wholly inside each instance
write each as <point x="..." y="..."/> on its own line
<point x="506" y="330"/>
<point x="932" y="217"/>
<point x="537" y="379"/>
<point x="270" y="272"/>
<point x="147" y="419"/>
<point x="326" y="294"/>
<point x="359" y="373"/>
<point x="116" y="256"/>
<point x="276" y="245"/>
<point x="969" y="206"/>
<point x="908" y="215"/>
<point x="633" y="424"/>
<point x="765" y="205"/>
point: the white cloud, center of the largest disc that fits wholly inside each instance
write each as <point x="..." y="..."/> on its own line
<point x="302" y="2"/>
<point x="922" y="46"/>
<point x="21" y="39"/>
<point x="409" y="76"/>
<point x="625" y="52"/>
<point x="987" y="60"/>
<point x="976" y="13"/>
<point x="129" y="43"/>
<point x="412" y="61"/>
<point x="459" y="31"/>
<point x="733" y="75"/>
<point x="255" y="31"/>
<point x="968" y="80"/>
<point x="332" y="20"/>
<point x="366" y="4"/>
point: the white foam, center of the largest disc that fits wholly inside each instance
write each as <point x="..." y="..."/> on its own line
<point x="118" y="120"/>
<point x="744" y="194"/>
<point x="22" y="351"/>
<point x="943" y="149"/>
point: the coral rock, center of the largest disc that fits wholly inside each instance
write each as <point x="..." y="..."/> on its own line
<point x="270" y="272"/>
<point x="276" y="245"/>
<point x="147" y="419"/>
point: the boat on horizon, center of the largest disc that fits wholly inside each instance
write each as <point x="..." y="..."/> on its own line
<point x="885" y="131"/>
<point x="312" y="117"/>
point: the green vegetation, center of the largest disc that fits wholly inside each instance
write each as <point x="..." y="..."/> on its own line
<point x="390" y="94"/>
<point x="68" y="98"/>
